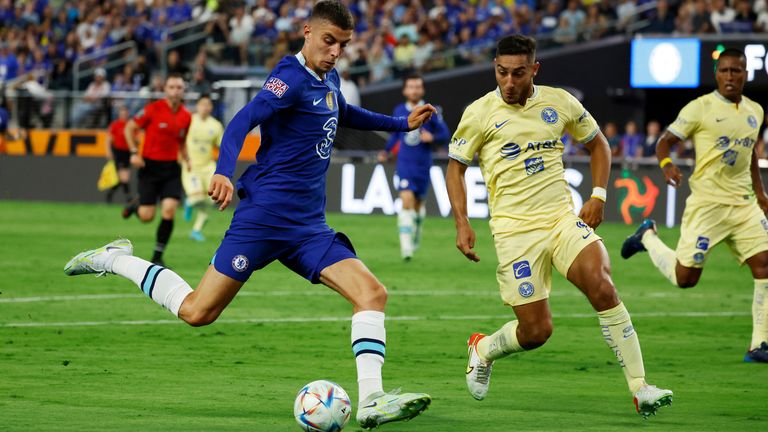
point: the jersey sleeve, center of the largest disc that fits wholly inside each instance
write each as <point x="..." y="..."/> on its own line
<point x="219" y="134"/>
<point x="282" y="88"/>
<point x="468" y="137"/>
<point x="580" y="123"/>
<point x="687" y="121"/>
<point x="144" y="117"/>
<point x="438" y="128"/>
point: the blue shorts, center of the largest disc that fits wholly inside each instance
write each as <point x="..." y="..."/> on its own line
<point x="417" y="184"/>
<point x="250" y="246"/>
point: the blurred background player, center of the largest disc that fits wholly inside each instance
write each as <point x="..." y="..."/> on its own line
<point x="118" y="151"/>
<point x="532" y="218"/>
<point x="727" y="201"/>
<point x="204" y="134"/>
<point x="165" y="123"/>
<point x="414" y="160"/>
<point x="281" y="212"/>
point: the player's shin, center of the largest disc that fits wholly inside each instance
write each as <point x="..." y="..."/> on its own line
<point x="661" y="255"/>
<point x="164" y="231"/>
<point x="160" y="284"/>
<point x="405" y="222"/>
<point x="622" y="339"/>
<point x="500" y="344"/>
<point x="201" y="219"/>
<point x="419" y="224"/>
<point x="760" y="314"/>
<point x="368" y="344"/>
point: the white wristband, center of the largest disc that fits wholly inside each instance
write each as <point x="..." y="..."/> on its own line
<point x="599" y="193"/>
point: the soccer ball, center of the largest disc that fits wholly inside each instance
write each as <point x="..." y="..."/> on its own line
<point x="322" y="406"/>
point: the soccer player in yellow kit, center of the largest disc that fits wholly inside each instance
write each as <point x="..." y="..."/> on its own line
<point x="516" y="131"/>
<point x="205" y="132"/>
<point x="727" y="201"/>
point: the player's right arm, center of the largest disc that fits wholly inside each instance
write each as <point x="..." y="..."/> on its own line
<point x="686" y="124"/>
<point x="466" y="142"/>
<point x="133" y="146"/>
<point x="280" y="91"/>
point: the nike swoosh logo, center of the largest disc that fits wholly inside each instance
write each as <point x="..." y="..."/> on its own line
<point x="470" y="369"/>
<point x="498" y="125"/>
<point x="111" y="248"/>
<point x="371" y="405"/>
<point x="315" y="102"/>
<point x="589" y="234"/>
<point x="720" y="119"/>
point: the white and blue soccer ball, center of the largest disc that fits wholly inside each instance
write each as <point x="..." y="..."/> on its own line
<point x="322" y="406"/>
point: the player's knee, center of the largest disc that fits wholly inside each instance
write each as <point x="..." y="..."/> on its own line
<point x="534" y="336"/>
<point x="687" y="282"/>
<point x="374" y="296"/>
<point x="604" y="297"/>
<point x="200" y="318"/>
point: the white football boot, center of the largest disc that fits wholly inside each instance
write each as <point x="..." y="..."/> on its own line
<point x="380" y="408"/>
<point x="650" y="398"/>
<point x="478" y="371"/>
<point x="98" y="261"/>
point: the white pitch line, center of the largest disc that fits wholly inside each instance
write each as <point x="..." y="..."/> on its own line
<point x="684" y="314"/>
<point x="392" y="294"/>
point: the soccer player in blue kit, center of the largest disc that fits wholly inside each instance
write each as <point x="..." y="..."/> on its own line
<point x="281" y="214"/>
<point x="414" y="160"/>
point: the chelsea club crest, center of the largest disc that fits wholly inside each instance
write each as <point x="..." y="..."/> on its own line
<point x="549" y="115"/>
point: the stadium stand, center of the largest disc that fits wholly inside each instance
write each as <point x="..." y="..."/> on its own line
<point x="60" y="45"/>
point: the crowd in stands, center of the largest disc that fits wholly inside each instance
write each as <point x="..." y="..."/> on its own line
<point x="46" y="37"/>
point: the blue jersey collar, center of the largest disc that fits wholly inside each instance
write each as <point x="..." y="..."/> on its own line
<point x="303" y="62"/>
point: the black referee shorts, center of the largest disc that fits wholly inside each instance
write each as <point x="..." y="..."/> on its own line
<point x="122" y="158"/>
<point x="158" y="180"/>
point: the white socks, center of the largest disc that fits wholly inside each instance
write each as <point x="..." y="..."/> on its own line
<point x="368" y="343"/>
<point x="760" y="314"/>
<point x="500" y="344"/>
<point x="160" y="284"/>
<point x="406" y="220"/>
<point x="621" y="338"/>
<point x="662" y="256"/>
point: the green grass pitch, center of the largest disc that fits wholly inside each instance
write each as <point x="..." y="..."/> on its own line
<point x="130" y="366"/>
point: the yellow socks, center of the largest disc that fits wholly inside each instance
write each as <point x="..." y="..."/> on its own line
<point x="662" y="256"/>
<point x="621" y="338"/>
<point x="500" y="344"/>
<point x="760" y="314"/>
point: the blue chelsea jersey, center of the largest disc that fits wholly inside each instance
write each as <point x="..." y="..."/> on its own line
<point x="299" y="114"/>
<point x="414" y="157"/>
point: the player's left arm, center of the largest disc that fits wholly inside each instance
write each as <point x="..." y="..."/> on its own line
<point x="593" y="211"/>
<point x="757" y="183"/>
<point x="183" y="153"/>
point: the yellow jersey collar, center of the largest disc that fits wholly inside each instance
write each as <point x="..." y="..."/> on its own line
<point x="533" y="96"/>
<point x="726" y="100"/>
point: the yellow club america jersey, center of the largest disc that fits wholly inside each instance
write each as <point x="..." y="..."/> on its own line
<point x="724" y="136"/>
<point x="521" y="154"/>
<point x="203" y="135"/>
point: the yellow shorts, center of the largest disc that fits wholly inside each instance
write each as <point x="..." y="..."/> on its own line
<point x="743" y="228"/>
<point x="196" y="182"/>
<point x="526" y="258"/>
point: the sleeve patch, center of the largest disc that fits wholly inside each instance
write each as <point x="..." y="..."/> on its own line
<point x="276" y="86"/>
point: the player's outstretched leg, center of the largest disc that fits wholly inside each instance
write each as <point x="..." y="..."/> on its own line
<point x="160" y="284"/>
<point x="590" y="272"/>
<point x="197" y="308"/>
<point x="200" y="220"/>
<point x="645" y="238"/>
<point x="359" y="286"/>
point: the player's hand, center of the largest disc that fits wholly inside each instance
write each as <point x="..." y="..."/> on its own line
<point x="465" y="242"/>
<point x="593" y="212"/>
<point x="383" y="156"/>
<point x="221" y="190"/>
<point x="762" y="201"/>
<point x="426" y="136"/>
<point x="137" y="161"/>
<point x="420" y="115"/>
<point x="672" y="175"/>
